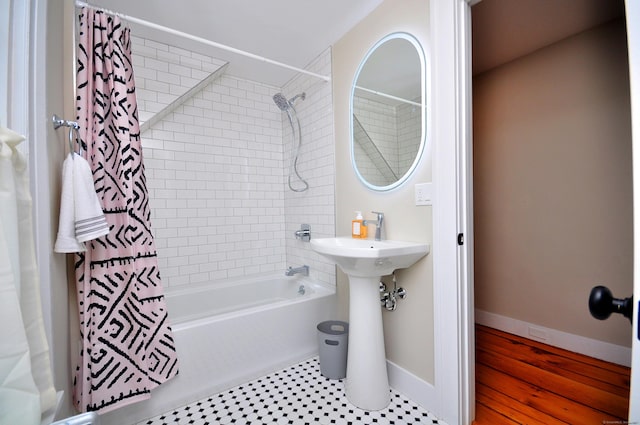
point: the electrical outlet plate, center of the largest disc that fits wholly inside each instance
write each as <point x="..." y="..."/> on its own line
<point x="424" y="194"/>
<point x="537" y="333"/>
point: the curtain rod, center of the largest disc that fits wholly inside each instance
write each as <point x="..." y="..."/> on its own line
<point x="389" y="96"/>
<point x="201" y="40"/>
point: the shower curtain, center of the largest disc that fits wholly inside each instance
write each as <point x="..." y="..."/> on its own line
<point x="26" y="382"/>
<point x="127" y="344"/>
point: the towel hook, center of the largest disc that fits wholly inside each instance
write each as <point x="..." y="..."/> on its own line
<point x="74" y="139"/>
<point x="71" y="139"/>
<point x="57" y="122"/>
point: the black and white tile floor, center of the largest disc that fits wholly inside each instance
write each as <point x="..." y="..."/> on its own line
<point x="296" y="395"/>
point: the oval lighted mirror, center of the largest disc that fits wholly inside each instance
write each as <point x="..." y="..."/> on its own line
<point x="387" y="112"/>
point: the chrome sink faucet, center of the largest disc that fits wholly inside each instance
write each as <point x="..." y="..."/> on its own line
<point x="378" y="222"/>
<point x="303" y="270"/>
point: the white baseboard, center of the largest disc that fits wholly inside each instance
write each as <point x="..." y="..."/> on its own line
<point x="416" y="389"/>
<point x="590" y="347"/>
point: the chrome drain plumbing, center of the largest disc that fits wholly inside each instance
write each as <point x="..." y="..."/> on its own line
<point x="389" y="299"/>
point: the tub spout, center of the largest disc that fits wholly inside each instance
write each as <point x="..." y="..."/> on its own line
<point x="304" y="270"/>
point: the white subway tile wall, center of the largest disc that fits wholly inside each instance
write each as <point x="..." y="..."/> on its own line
<point x="216" y="169"/>
<point x="163" y="73"/>
<point x="409" y="120"/>
<point x="395" y="131"/>
<point x="378" y="120"/>
<point x="316" y="164"/>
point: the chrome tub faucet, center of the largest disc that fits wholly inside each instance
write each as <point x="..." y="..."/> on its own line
<point x="303" y="270"/>
<point x="304" y="234"/>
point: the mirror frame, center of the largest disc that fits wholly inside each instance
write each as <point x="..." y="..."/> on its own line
<point x="423" y="80"/>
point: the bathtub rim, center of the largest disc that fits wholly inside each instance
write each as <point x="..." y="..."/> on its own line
<point x="232" y="281"/>
<point x="319" y="289"/>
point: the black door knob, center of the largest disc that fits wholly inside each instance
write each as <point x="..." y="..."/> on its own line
<point x="602" y="304"/>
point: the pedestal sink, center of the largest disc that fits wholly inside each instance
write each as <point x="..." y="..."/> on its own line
<point x="365" y="261"/>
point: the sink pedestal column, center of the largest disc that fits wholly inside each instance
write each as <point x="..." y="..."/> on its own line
<point x="367" y="383"/>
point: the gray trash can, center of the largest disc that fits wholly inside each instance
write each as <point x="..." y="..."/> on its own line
<point x="333" y="341"/>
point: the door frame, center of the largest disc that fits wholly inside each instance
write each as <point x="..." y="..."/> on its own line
<point x="457" y="37"/>
<point x="632" y="11"/>
<point x="454" y="350"/>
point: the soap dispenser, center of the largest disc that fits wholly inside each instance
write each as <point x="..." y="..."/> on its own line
<point x="358" y="228"/>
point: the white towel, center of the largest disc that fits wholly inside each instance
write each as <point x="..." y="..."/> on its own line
<point x="66" y="240"/>
<point x="90" y="222"/>
<point x="81" y="216"/>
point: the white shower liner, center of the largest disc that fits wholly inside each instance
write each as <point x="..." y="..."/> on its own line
<point x="234" y="331"/>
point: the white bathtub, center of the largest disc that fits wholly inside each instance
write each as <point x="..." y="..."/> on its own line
<point x="231" y="332"/>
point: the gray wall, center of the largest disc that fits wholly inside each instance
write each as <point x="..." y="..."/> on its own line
<point x="552" y="182"/>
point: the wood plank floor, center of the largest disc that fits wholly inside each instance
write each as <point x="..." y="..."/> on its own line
<point x="520" y="381"/>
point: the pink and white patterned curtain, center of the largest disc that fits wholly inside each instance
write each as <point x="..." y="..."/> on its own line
<point x="127" y="343"/>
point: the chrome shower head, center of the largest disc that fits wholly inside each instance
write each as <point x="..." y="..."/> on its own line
<point x="281" y="101"/>
<point x="285" y="104"/>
